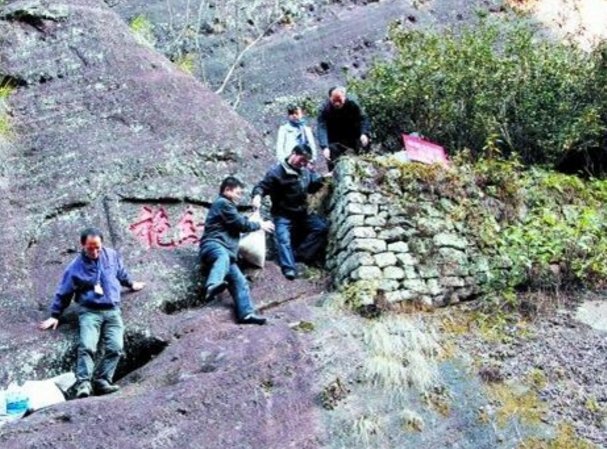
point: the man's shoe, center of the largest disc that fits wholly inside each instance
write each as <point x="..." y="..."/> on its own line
<point x="214" y="290"/>
<point x="290" y="274"/>
<point x="102" y="387"/>
<point x="83" y="390"/>
<point x="252" y="318"/>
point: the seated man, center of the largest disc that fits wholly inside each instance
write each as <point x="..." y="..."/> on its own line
<point x="294" y="132"/>
<point x="94" y="277"/>
<point x="219" y="249"/>
<point x="299" y="235"/>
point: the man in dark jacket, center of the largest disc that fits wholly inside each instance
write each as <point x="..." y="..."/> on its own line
<point x="219" y="249"/>
<point x="299" y="235"/>
<point x="95" y="278"/>
<point x="342" y="126"/>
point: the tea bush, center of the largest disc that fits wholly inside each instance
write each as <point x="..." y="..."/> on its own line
<point x="489" y="89"/>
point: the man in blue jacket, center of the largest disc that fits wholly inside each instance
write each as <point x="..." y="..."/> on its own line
<point x="299" y="234"/>
<point x="219" y="249"/>
<point x="94" y="278"/>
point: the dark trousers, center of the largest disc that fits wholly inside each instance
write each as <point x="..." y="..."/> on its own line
<point x="299" y="239"/>
<point x="223" y="268"/>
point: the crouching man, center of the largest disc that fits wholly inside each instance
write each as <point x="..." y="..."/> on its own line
<point x="300" y="236"/>
<point x="219" y="249"/>
<point x="94" y="278"/>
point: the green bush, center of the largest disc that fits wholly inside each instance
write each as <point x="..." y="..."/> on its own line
<point x="489" y="89"/>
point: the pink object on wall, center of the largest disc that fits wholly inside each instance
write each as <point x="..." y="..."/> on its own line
<point x="421" y="150"/>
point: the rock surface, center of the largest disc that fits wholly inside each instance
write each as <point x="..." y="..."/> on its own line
<point x="105" y="128"/>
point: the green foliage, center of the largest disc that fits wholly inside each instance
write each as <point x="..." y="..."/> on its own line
<point x="187" y="63"/>
<point x="563" y="235"/>
<point x="489" y="89"/>
<point x="539" y="228"/>
<point x="5" y="125"/>
<point x="143" y="30"/>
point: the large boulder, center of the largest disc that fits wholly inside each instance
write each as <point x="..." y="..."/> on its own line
<point x="106" y="132"/>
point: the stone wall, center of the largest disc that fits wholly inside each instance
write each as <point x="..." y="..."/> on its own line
<point x="406" y="241"/>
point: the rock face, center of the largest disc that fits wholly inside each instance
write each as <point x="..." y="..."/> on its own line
<point x="107" y="133"/>
<point x="412" y="251"/>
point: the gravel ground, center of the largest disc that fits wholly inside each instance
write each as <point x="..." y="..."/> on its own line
<point x="569" y="357"/>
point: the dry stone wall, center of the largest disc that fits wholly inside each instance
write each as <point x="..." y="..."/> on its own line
<point x="407" y="243"/>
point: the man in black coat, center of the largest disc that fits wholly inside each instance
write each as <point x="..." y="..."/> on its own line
<point x="342" y="126"/>
<point x="219" y="249"/>
<point x="299" y="234"/>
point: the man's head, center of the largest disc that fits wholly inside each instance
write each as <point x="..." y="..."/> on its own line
<point x="337" y="97"/>
<point x="232" y="188"/>
<point x="294" y="112"/>
<point x="91" y="240"/>
<point x="300" y="156"/>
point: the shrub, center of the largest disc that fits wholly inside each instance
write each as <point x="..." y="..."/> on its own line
<point x="489" y="89"/>
<point x="143" y="30"/>
<point x="6" y="89"/>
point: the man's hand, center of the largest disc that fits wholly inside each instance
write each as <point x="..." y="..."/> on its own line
<point x="267" y="226"/>
<point x="50" y="323"/>
<point x="256" y="202"/>
<point x="137" y="286"/>
<point x="326" y="153"/>
<point x="364" y="140"/>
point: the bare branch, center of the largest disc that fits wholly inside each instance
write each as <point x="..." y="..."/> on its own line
<point x="239" y="57"/>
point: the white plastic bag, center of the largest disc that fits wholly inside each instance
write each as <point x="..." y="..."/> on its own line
<point x="42" y="393"/>
<point x="252" y="246"/>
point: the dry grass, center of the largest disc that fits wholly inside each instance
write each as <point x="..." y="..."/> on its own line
<point x="365" y="428"/>
<point x="402" y="354"/>
<point x="412" y="422"/>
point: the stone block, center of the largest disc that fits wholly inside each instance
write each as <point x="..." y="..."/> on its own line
<point x="388" y="285"/>
<point x="355" y="197"/>
<point x="452" y="281"/>
<point x="450" y="240"/>
<point x="358" y="233"/>
<point x="373" y="246"/>
<point x="366" y="273"/>
<point x="394" y="234"/>
<point x="394" y="273"/>
<point x="361" y="209"/>
<point x="376" y="220"/>
<point x="434" y="287"/>
<point x="377" y="198"/>
<point x="349" y="223"/>
<point x="411" y="272"/>
<point x="385" y="259"/>
<point x="400" y="295"/>
<point x="398" y="247"/>
<point x="428" y="271"/>
<point x="416" y="285"/>
<point x="406" y="259"/>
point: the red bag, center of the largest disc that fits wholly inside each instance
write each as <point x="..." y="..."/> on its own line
<point x="420" y="150"/>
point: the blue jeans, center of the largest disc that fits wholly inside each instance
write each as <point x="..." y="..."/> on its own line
<point x="223" y="268"/>
<point x="299" y="239"/>
<point x="95" y="325"/>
